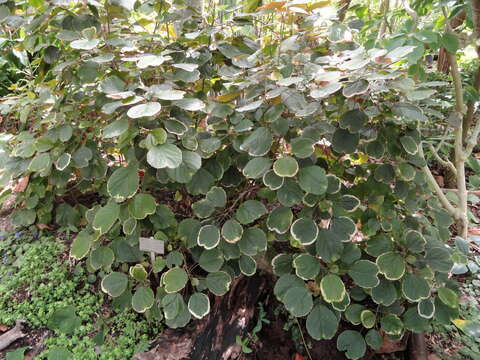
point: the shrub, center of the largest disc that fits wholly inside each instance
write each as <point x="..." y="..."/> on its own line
<point x="228" y="149"/>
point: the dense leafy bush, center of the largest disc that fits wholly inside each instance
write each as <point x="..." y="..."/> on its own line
<point x="304" y="152"/>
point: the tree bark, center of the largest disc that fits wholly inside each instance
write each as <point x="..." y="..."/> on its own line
<point x="342" y="9"/>
<point x="213" y="337"/>
<point x="468" y="120"/>
<point x="443" y="64"/>
<point x="417" y="347"/>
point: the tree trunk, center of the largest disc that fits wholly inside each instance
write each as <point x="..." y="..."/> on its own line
<point x="443" y="64"/>
<point x="342" y="9"/>
<point x="417" y="347"/>
<point x="213" y="337"/>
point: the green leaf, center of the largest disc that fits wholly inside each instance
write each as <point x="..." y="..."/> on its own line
<point x="332" y="288"/>
<point x="211" y="260"/>
<point x="448" y="297"/>
<point x="364" y="273"/>
<point x="439" y="259"/>
<point x="248" y="265"/>
<point x="218" y="282"/>
<point x="415" y="241"/>
<point x="123" y="183"/>
<point x="302" y="147"/>
<point x="391" y="265"/>
<point x="141" y="206"/>
<point x="55" y="353"/>
<point x="353" y="120"/>
<point x="368" y="318"/>
<point x="353" y="313"/>
<point x="298" y="301"/>
<point x="64" y="320"/>
<point x="344" y="141"/>
<point x="190" y="104"/>
<point x="256" y="168"/>
<point x="272" y="180"/>
<point x="168" y="94"/>
<point x="40" y="162"/>
<point x="105" y="217"/>
<point x="415" y="288"/>
<point x="348" y="202"/>
<point x="313" y="180"/>
<point x="84" y="44"/>
<point x="290" y="193"/>
<point x="280" y="220"/>
<point x="174" y="280"/>
<point x="81" y="245"/>
<point x="208" y="236"/>
<point x="199" y="305"/>
<point x="138" y="272"/>
<point x="253" y="241"/>
<point x="142" y="299"/>
<point x="374" y="339"/>
<point x="103" y="256"/>
<point x="426" y="308"/>
<point x="114" y="284"/>
<point x="282" y="264"/>
<point x="358" y="87"/>
<point x="63" y="161"/>
<point x="378" y="245"/>
<point x="353" y="343"/>
<point x="409" y="145"/>
<point x="258" y="143"/>
<point x="144" y="110"/>
<point x="392" y="324"/>
<point x="232" y="231"/>
<point x="129" y="226"/>
<point x="307" y="267"/>
<point x="285" y="167"/>
<point x="409" y="112"/>
<point x="164" y="156"/>
<point x="173" y="305"/>
<point x="322" y="323"/>
<point x="286" y="282"/>
<point x="304" y="230"/>
<point x="203" y="208"/>
<point x="384" y="293"/>
<point x="217" y="196"/>
<point x="115" y="129"/>
<point x="249" y="211"/>
<point x="450" y="42"/>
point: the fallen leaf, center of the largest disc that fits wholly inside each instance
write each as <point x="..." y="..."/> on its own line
<point x="390" y="346"/>
<point x="21" y="185"/>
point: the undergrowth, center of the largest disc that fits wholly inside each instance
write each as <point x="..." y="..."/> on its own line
<point x="36" y="279"/>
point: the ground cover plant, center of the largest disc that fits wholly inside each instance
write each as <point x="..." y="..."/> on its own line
<point x="39" y="285"/>
<point x="299" y="154"/>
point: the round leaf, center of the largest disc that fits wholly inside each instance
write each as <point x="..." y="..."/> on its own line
<point x="143" y="110"/>
<point x="142" y="299"/>
<point x="174" y="280"/>
<point x="114" y="284"/>
<point x="199" y="305"/>
<point x="304" y="230"/>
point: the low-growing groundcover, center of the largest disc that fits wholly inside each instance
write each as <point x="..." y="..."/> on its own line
<point x="38" y="284"/>
<point x="142" y="120"/>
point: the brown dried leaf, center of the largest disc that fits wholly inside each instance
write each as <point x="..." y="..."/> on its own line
<point x="21" y="185"/>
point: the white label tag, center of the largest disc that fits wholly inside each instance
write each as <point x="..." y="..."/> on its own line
<point x="152" y="245"/>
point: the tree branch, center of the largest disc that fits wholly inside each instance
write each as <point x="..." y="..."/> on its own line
<point x="468" y="118"/>
<point x="437" y="189"/>
<point x="472" y="140"/>
<point x="444" y="163"/>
